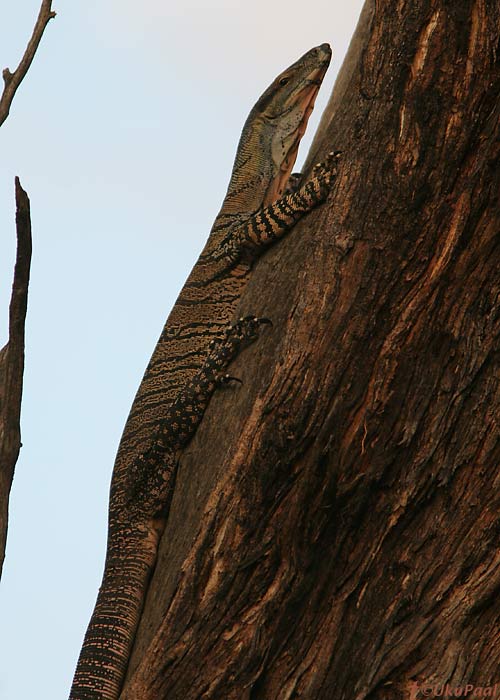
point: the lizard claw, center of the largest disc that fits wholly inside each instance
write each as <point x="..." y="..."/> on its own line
<point x="328" y="164"/>
<point x="332" y="158"/>
<point x="325" y="172"/>
<point x="225" y="379"/>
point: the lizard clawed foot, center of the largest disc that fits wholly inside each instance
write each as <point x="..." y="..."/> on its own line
<point x="333" y="159"/>
<point x="226" y="379"/>
<point x="247" y="328"/>
<point x="223" y="350"/>
<point x="324" y="173"/>
<point x="329" y="164"/>
<point x="242" y="333"/>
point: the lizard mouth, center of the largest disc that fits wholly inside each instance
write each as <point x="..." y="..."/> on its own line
<point x="305" y="100"/>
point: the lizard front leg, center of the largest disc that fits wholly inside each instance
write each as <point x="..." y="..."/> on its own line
<point x="269" y="224"/>
<point x="138" y="511"/>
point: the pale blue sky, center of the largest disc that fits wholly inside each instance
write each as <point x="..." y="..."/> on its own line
<point x="123" y="134"/>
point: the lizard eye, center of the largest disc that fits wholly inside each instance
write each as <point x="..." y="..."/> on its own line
<point x="284" y="81"/>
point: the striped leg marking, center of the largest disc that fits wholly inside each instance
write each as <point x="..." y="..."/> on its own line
<point x="271" y="223"/>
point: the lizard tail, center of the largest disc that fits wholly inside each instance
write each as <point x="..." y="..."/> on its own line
<point x="108" y="641"/>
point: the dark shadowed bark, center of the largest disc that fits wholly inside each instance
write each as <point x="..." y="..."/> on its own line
<point x="335" y="525"/>
<point x="12" y="362"/>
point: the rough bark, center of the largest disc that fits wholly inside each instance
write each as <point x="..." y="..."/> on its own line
<point x="334" y="528"/>
<point x="12" y="363"/>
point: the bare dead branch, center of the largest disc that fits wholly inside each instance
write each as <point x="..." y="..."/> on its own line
<point x="12" y="362"/>
<point x="13" y="80"/>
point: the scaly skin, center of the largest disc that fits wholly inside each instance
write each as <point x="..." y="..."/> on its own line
<point x="197" y="344"/>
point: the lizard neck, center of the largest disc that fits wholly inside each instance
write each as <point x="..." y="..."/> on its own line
<point x="253" y="169"/>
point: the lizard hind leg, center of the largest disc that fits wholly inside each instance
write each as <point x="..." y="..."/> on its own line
<point x="151" y="477"/>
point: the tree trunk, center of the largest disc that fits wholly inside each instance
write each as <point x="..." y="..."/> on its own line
<point x="334" y="528"/>
<point x="12" y="363"/>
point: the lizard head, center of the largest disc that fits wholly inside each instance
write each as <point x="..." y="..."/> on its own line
<point x="272" y="132"/>
<point x="284" y="110"/>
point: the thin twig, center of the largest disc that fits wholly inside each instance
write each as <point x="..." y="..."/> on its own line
<point x="13" y="80"/>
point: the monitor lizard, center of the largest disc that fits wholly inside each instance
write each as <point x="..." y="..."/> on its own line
<point x="198" y="342"/>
